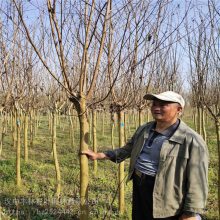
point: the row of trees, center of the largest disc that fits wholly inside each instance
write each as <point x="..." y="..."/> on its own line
<point x="92" y="54"/>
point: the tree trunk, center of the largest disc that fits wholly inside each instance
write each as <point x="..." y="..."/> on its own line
<point x="125" y="127"/>
<point x="58" y="119"/>
<point x="71" y="128"/>
<point x="26" y="137"/>
<point x="7" y="119"/>
<point x="94" y="139"/>
<point x="14" y="127"/>
<point x="140" y="116"/>
<point x="194" y="120"/>
<point x="1" y="141"/>
<point x="54" y="146"/>
<point x="18" y="154"/>
<point x="112" y="119"/>
<point x="103" y="123"/>
<point x="217" y="126"/>
<point x="38" y="120"/>
<point x="112" y="135"/>
<point x="3" y="131"/>
<point x="49" y="121"/>
<point x="31" y="129"/>
<point x="84" y="174"/>
<point x="90" y="127"/>
<point x="135" y="120"/>
<point x="199" y="120"/>
<point x="35" y="122"/>
<point x="129" y="123"/>
<point x="204" y="134"/>
<point x="121" y="165"/>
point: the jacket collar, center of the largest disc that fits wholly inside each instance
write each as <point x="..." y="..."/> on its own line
<point x="180" y="133"/>
<point x="178" y="136"/>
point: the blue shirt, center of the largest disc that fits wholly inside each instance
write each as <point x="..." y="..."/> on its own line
<point x="149" y="157"/>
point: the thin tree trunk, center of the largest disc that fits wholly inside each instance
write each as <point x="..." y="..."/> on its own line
<point x="121" y="165"/>
<point x="148" y="115"/>
<point x="125" y="127"/>
<point x="3" y="131"/>
<point x="11" y="119"/>
<point x="217" y="126"/>
<point x="54" y="146"/>
<point x="103" y="123"/>
<point x="204" y="134"/>
<point x="136" y="120"/>
<point x="195" y="119"/>
<point x="71" y="128"/>
<point x="49" y="121"/>
<point x="26" y="137"/>
<point x="14" y="127"/>
<point x="199" y="120"/>
<point x="34" y="122"/>
<point x="1" y="141"/>
<point x="90" y="127"/>
<point x="129" y="123"/>
<point x="140" y="117"/>
<point x="84" y="172"/>
<point x="38" y="120"/>
<point x="112" y="130"/>
<point x="18" y="154"/>
<point x="31" y="130"/>
<point x="94" y="139"/>
<point x="58" y="119"/>
<point x="7" y="119"/>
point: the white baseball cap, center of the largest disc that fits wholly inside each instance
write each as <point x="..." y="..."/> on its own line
<point x="168" y="96"/>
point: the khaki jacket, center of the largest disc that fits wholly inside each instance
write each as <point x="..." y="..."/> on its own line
<point x="181" y="182"/>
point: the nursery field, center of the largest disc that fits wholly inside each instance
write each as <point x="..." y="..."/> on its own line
<point x="36" y="200"/>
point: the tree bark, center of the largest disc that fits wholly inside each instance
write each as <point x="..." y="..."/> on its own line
<point x="140" y="116"/>
<point x="14" y="127"/>
<point x="194" y="119"/>
<point x="125" y="127"/>
<point x="26" y="137"/>
<point x="204" y="134"/>
<point x="121" y="165"/>
<point x="94" y="139"/>
<point x="135" y="120"/>
<point x="112" y="135"/>
<point x="103" y="123"/>
<point x="217" y="126"/>
<point x="54" y="146"/>
<point x="84" y="174"/>
<point x="199" y="120"/>
<point x="3" y="131"/>
<point x="18" y="154"/>
<point x="71" y="128"/>
<point x="31" y="129"/>
<point x="147" y="115"/>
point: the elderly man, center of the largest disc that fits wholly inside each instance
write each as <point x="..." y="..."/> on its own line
<point x="168" y="164"/>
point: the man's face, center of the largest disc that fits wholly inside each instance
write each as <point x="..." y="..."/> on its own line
<point x="165" y="111"/>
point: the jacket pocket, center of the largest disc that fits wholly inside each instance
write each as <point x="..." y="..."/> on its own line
<point x="175" y="150"/>
<point x="179" y="151"/>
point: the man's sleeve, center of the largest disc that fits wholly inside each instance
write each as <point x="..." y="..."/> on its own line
<point x="197" y="177"/>
<point x="120" y="154"/>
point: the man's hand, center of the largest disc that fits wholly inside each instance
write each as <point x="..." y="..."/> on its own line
<point x="186" y="217"/>
<point x="94" y="156"/>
